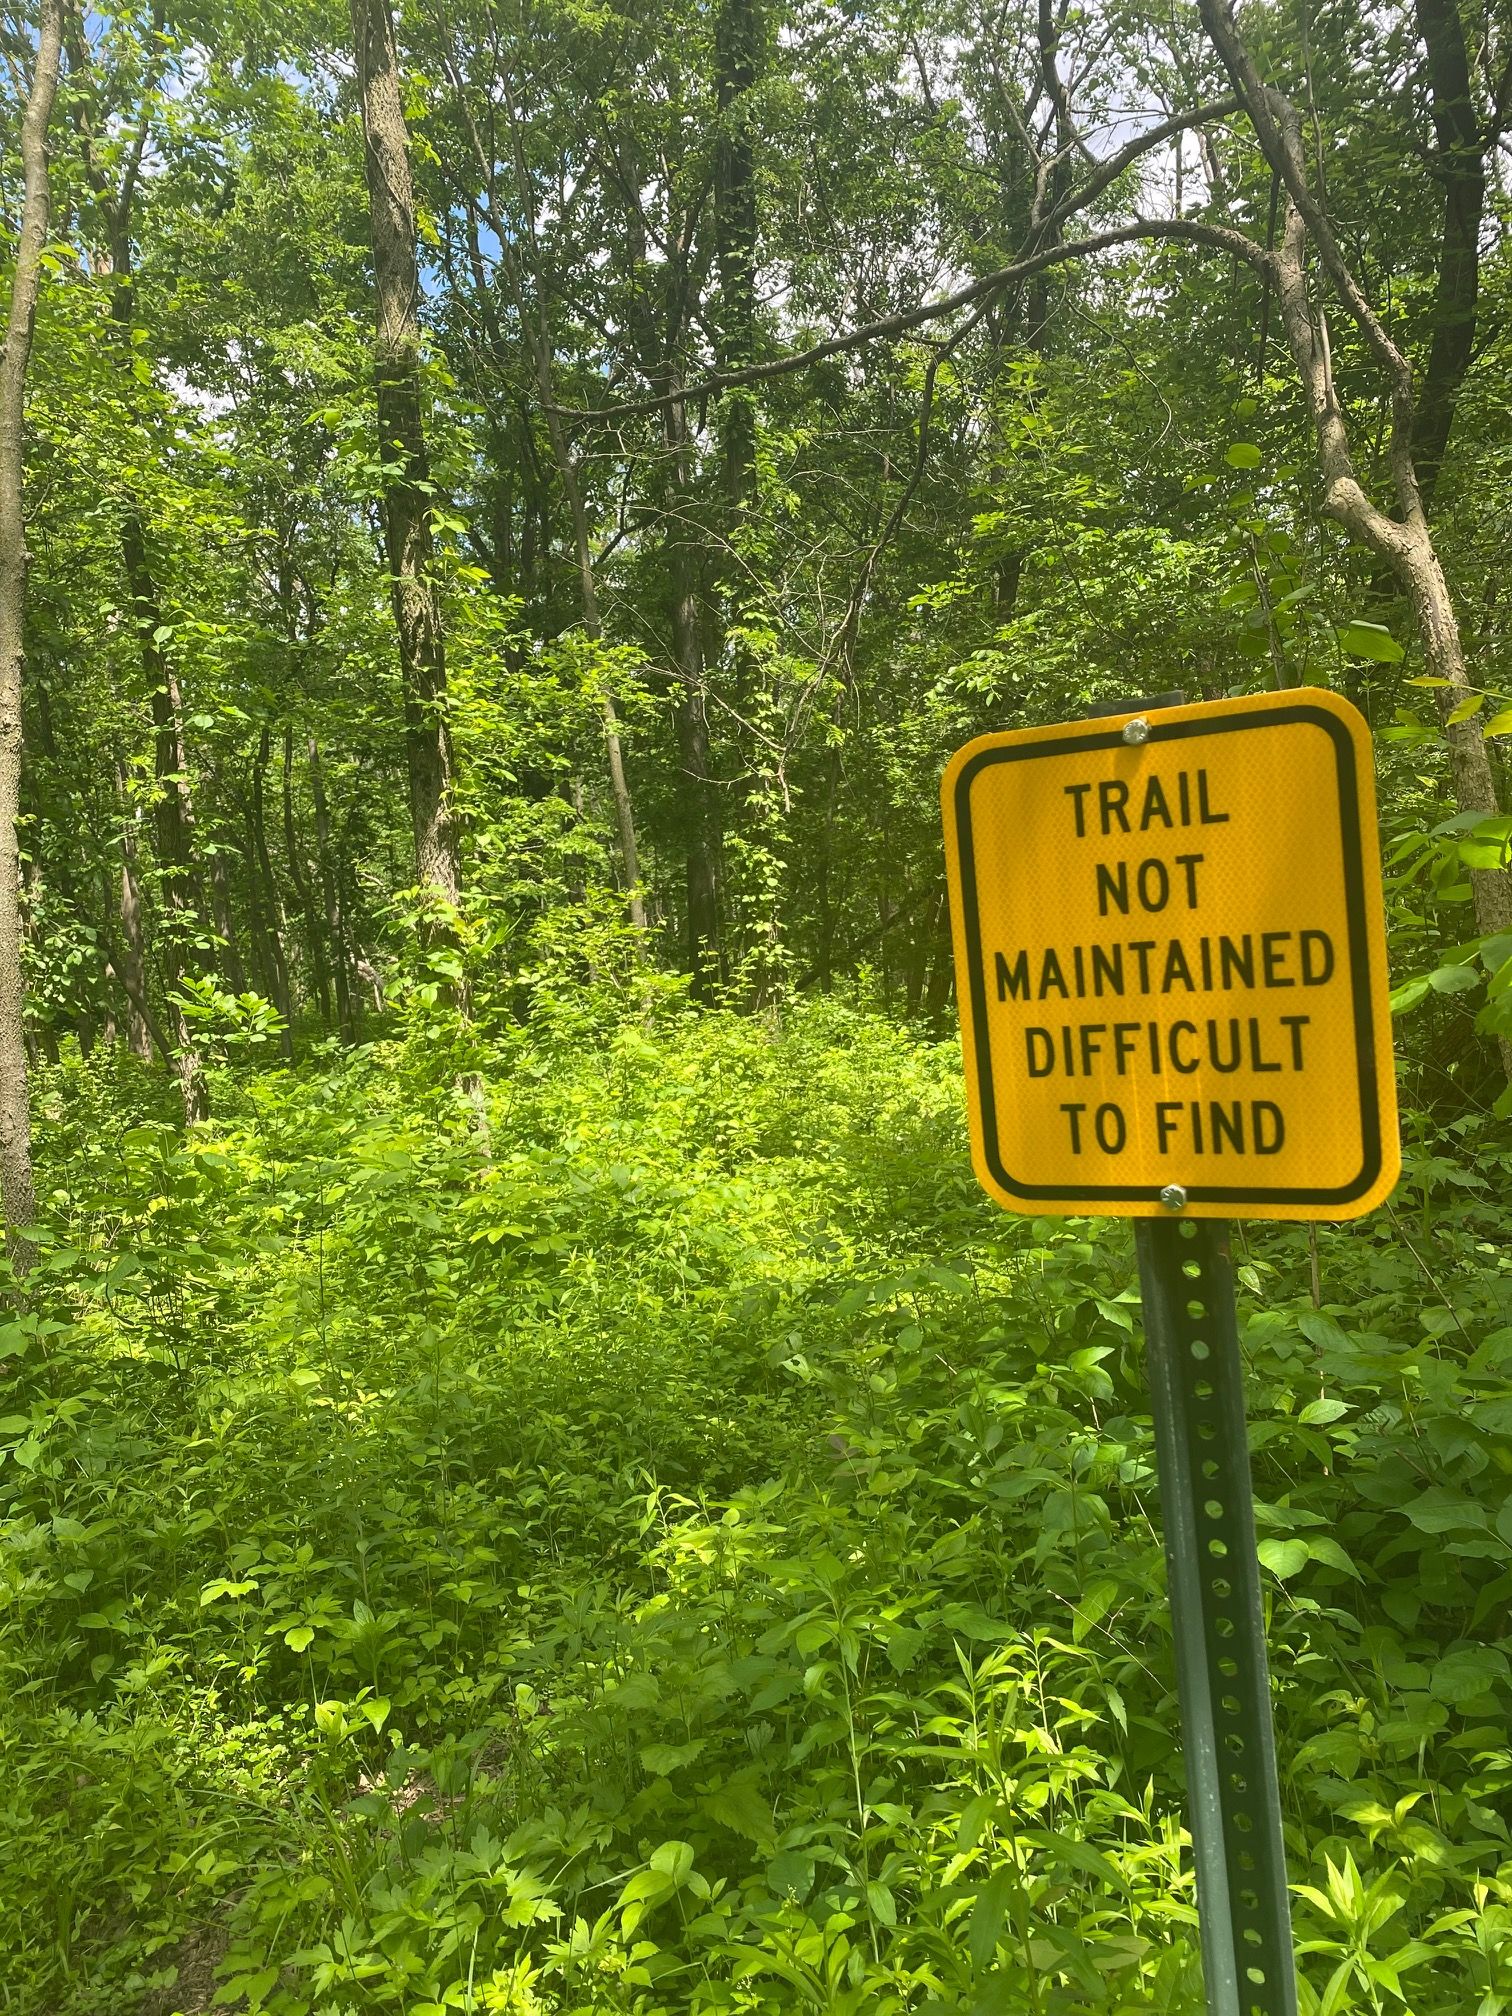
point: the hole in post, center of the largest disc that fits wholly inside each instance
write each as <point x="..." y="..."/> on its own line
<point x="1192" y="1269"/>
<point x="1217" y="1548"/>
<point x="1213" y="1508"/>
<point x="1196" y="1308"/>
<point x="1199" y="1349"/>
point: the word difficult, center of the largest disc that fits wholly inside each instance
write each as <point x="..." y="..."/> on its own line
<point x="1171" y="965"/>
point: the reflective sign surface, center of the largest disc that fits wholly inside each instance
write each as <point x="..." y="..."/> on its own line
<point x="1171" y="963"/>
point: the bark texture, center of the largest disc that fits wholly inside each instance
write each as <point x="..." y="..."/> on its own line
<point x="1460" y="169"/>
<point x="401" y="426"/>
<point x="17" y="1196"/>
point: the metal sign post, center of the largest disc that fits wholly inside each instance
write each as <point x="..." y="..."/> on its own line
<point x="1171" y="972"/>
<point x="1233" y="1798"/>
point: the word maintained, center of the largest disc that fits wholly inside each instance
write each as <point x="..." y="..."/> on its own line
<point x="1171" y="965"/>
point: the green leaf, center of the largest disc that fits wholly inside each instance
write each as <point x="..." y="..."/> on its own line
<point x="1331" y="1553"/>
<point x="213" y="1591"/>
<point x="1242" y="455"/>
<point x="1284" y="1558"/>
<point x="1453" y="979"/>
<point x="740" y="1806"/>
<point x="791" y="1874"/>
<point x="662" y="1759"/>
<point x="1317" y="1412"/>
<point x="1464" y="710"/>
<point x="987" y="1916"/>
<point x="1463" y="1676"/>
<point x="1321" y="1329"/>
<point x="883" y="1908"/>
<point x="1369" y="640"/>
<point x="1499" y="724"/>
<point x="673" y="1859"/>
<point x="300" y="1638"/>
<point x="1437" y="1510"/>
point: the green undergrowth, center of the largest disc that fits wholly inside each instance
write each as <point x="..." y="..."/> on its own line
<point x="643" y="1534"/>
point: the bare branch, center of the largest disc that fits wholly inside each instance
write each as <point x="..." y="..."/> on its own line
<point x="1212" y="237"/>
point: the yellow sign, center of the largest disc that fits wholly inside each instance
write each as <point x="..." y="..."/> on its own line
<point x="1171" y="962"/>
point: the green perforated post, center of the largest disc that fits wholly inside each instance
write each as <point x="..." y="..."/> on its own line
<point x="1233" y="1797"/>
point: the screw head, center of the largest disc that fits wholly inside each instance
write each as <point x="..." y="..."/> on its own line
<point x="1137" y="730"/>
<point x="1173" y="1197"/>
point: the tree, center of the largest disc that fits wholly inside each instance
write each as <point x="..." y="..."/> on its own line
<point x="17" y="1197"/>
<point x="407" y="488"/>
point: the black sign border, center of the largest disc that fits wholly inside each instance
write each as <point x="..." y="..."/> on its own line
<point x="1356" y="912"/>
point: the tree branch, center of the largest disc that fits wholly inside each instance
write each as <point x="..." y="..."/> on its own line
<point x="1212" y="237"/>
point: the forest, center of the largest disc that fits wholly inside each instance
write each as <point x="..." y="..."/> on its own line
<point x="532" y="1478"/>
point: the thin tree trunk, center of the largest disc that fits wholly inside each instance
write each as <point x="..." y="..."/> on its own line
<point x="330" y="893"/>
<point x="1460" y="169"/>
<point x="538" y="337"/>
<point x="406" y="486"/>
<point x="658" y="358"/>
<point x="173" y="812"/>
<point x="262" y="867"/>
<point x="701" y="824"/>
<point x="130" y="963"/>
<point x="225" y="928"/>
<point x="737" y="46"/>
<point x="136" y="995"/>
<point x="301" y="881"/>
<point x="619" y="787"/>
<point x="17" y="1194"/>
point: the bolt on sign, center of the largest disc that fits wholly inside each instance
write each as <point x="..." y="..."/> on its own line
<point x="1171" y="962"/>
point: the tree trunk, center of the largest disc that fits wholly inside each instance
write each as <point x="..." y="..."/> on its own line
<point x="17" y="1194"/>
<point x="301" y="881"/>
<point x="130" y="964"/>
<point x="701" y="825"/>
<point x="225" y="927"/>
<point x="619" y="786"/>
<point x="737" y="55"/>
<point x="1405" y="543"/>
<point x="693" y="749"/>
<point x="262" y="868"/>
<point x="173" y="813"/>
<point x="330" y="894"/>
<point x="1460" y="170"/>
<point x="538" y="337"/>
<point x="406" y="483"/>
